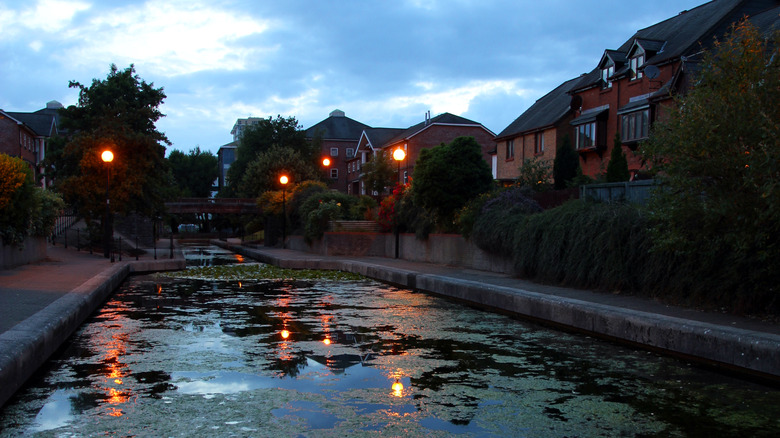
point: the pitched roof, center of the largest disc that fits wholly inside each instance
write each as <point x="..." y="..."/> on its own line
<point x="546" y="111"/>
<point x="441" y="119"/>
<point x="685" y="34"/>
<point x="337" y="127"/>
<point x="42" y="124"/>
<point x="377" y="137"/>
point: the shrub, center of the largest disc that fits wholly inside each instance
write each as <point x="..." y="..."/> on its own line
<point x="317" y="219"/>
<point x="363" y="209"/>
<point x="535" y="173"/>
<point x="501" y="215"/>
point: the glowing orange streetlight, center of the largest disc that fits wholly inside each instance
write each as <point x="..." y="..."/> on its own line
<point x="284" y="180"/>
<point x="326" y="161"/>
<point x="107" y="156"/>
<point x="398" y="156"/>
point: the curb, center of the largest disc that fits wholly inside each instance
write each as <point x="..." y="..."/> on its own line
<point x="744" y="351"/>
<point x="29" y="344"/>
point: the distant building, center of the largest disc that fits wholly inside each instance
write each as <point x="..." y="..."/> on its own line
<point x="26" y="136"/>
<point x="226" y="155"/>
<point x="241" y="125"/>
<point x="427" y="134"/>
<point x="338" y="136"/>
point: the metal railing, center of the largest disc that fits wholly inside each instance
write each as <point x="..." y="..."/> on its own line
<point x="634" y="192"/>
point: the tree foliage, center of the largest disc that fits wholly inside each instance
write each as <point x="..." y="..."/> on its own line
<point x="193" y="173"/>
<point x="718" y="156"/>
<point x="617" y="168"/>
<point x="566" y="164"/>
<point x="447" y="176"/>
<point x="24" y="209"/>
<point x="118" y="113"/>
<point x="535" y="174"/>
<point x="264" y="171"/>
<point x="379" y="173"/>
<point x="260" y="138"/>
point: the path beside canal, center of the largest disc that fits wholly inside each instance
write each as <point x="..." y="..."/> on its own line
<point x="42" y="304"/>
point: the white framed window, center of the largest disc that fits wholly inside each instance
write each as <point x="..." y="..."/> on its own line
<point x="606" y="73"/>
<point x="636" y="125"/>
<point x="334" y="152"/>
<point x="510" y="149"/>
<point x="334" y="173"/>
<point x="634" y="64"/>
<point x="585" y="136"/>
<point x="406" y="177"/>
<point x="350" y="152"/>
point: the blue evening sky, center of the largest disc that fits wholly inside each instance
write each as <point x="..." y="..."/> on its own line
<point x="384" y="63"/>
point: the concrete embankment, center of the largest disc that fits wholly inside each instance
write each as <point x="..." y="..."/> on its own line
<point x="724" y="341"/>
<point x="29" y="344"/>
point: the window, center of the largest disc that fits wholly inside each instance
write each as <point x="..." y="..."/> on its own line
<point x="334" y="152"/>
<point x="635" y="125"/>
<point x="334" y="173"/>
<point x="606" y="73"/>
<point x="539" y="143"/>
<point x="350" y="152"/>
<point x="510" y="149"/>
<point x="635" y="63"/>
<point x="585" y="136"/>
<point x="406" y="177"/>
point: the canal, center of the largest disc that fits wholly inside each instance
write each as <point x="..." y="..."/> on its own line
<point x="235" y="348"/>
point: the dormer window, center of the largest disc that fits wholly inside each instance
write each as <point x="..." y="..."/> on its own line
<point x="607" y="73"/>
<point x="634" y="64"/>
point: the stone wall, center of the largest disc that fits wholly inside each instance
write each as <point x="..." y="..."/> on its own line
<point x="32" y="250"/>
<point x="444" y="249"/>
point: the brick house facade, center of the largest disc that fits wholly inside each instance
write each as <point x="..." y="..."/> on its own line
<point x="338" y="136"/>
<point x="425" y="135"/>
<point x="631" y="86"/>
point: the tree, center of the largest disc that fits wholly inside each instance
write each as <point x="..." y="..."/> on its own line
<point x="717" y="155"/>
<point x="118" y="113"/>
<point x="379" y="173"/>
<point x="617" y="168"/>
<point x="193" y="173"/>
<point x="447" y="176"/>
<point x="566" y="164"/>
<point x="263" y="172"/>
<point x="256" y="139"/>
<point x="534" y="173"/>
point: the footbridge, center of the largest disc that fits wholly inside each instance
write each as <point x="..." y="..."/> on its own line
<point x="214" y="205"/>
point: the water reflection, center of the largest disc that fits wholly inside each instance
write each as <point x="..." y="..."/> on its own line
<point x="292" y="357"/>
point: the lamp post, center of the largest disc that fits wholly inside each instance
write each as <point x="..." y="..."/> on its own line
<point x="107" y="156"/>
<point x="284" y="180"/>
<point x="398" y="156"/>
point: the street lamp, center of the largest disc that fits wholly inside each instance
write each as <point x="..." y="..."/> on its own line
<point x="284" y="180"/>
<point x="107" y="156"/>
<point x="398" y="156"/>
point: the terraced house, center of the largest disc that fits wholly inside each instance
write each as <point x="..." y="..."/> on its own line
<point x="629" y="88"/>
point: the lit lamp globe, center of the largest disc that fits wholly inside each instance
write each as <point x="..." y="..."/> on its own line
<point x="326" y="162"/>
<point x="284" y="180"/>
<point x="107" y="156"/>
<point x="399" y="154"/>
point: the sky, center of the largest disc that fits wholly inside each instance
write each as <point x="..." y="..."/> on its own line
<point x="384" y="63"/>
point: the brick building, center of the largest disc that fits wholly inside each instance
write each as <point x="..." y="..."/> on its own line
<point x="338" y="136"/>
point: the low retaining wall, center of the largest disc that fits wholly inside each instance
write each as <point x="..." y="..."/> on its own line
<point x="29" y="344"/>
<point x="33" y="249"/>
<point x="441" y="249"/>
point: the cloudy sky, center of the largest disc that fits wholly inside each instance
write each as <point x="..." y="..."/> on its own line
<point x="385" y="63"/>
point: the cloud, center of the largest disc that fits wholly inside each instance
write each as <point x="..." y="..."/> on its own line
<point x="44" y="15"/>
<point x="168" y="38"/>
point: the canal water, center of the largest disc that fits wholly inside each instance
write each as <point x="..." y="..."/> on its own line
<point x="239" y="350"/>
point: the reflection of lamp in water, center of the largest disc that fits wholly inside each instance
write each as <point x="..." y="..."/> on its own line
<point x="285" y="334"/>
<point x="326" y="341"/>
<point x="398" y="388"/>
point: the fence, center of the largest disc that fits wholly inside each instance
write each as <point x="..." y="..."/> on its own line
<point x="635" y="192"/>
<point x="64" y="221"/>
